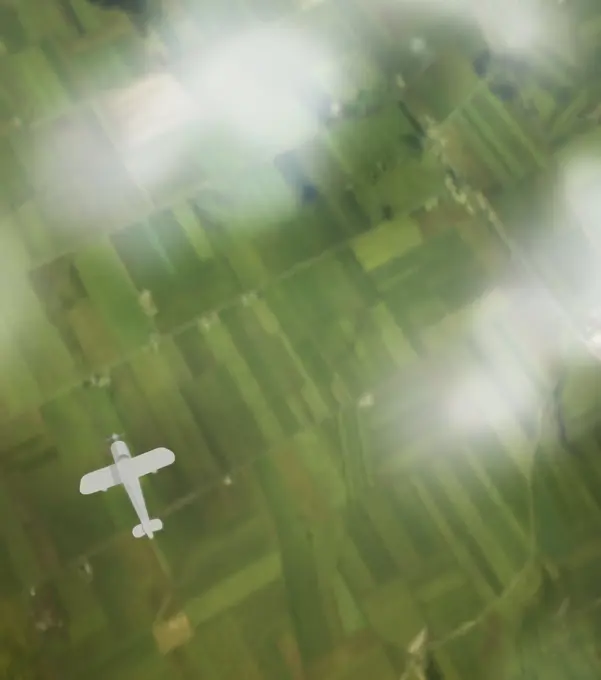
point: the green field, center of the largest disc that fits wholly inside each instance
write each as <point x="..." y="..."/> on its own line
<point x="361" y="412"/>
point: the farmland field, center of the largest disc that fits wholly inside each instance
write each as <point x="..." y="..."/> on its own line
<point x="361" y="335"/>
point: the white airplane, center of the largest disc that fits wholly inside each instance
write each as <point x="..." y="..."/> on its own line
<point x="127" y="471"/>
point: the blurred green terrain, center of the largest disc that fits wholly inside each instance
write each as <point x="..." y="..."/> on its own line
<point x="337" y="488"/>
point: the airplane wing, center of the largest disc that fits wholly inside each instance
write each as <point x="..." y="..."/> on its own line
<point x="99" y="480"/>
<point x="152" y="461"/>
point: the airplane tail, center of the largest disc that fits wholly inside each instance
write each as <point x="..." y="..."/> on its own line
<point x="153" y="526"/>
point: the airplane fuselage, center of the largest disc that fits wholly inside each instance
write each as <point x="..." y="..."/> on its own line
<point x="131" y="483"/>
<point x="126" y="470"/>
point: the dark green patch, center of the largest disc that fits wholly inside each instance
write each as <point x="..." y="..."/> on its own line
<point x="195" y="350"/>
<point x="303" y="590"/>
<point x="270" y="363"/>
<point x="12" y="34"/>
<point x="370" y="545"/>
<point x="9" y="580"/>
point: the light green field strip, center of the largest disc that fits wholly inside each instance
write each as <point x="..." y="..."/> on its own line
<point x="521" y="532"/>
<point x="463" y="557"/>
<point x="469" y="514"/>
<point x="327" y="538"/>
<point x="389" y="240"/>
<point x="262" y="198"/>
<point x="357" y="467"/>
<point x="448" y="84"/>
<point x="380" y="348"/>
<point x="565" y="483"/>
<point x="394" y="613"/>
<point x="587" y="471"/>
<point x="19" y="389"/>
<point x="482" y="244"/>
<point x="495" y="413"/>
<point x="321" y="166"/>
<point x="34" y="232"/>
<point x="448" y="668"/>
<point x="401" y="458"/>
<point x="110" y="288"/>
<point x="245" y="261"/>
<point x="41" y="20"/>
<point x="506" y="367"/>
<point x="314" y="450"/>
<point x="375" y="661"/>
<point x="12" y="36"/>
<point x="42" y="345"/>
<point x="94" y="344"/>
<point x="147" y="667"/>
<point x="252" y="535"/>
<point x="447" y="581"/>
<point x="92" y="18"/>
<point x="354" y="570"/>
<point x="570" y="117"/>
<point x="488" y="100"/>
<point x="354" y="140"/>
<point x="270" y="364"/>
<point x="452" y="328"/>
<point x="195" y="234"/>
<point x="580" y="398"/>
<point x="287" y="499"/>
<point x="217" y="402"/>
<point x="351" y="616"/>
<point x="309" y="390"/>
<point x="14" y="256"/>
<point x="393" y="535"/>
<point x="171" y="412"/>
<point x="299" y="410"/>
<point x="219" y="651"/>
<point x="530" y="359"/>
<point x="220" y="341"/>
<point x="39" y="84"/>
<point x="101" y="412"/>
<point x="480" y="149"/>
<point x="87" y="617"/>
<point x="235" y="589"/>
<point x="453" y="605"/>
<point x="493" y="138"/>
<point x="101" y="68"/>
<point x="81" y="448"/>
<point x="138" y="423"/>
<point x="421" y="181"/>
<point x="175" y="360"/>
<point x="22" y="554"/>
